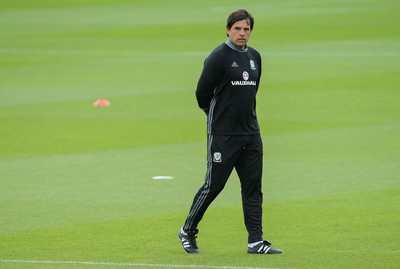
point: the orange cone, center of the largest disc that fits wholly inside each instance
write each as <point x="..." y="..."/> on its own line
<point x="102" y="102"/>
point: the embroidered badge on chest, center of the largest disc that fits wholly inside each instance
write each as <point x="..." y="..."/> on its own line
<point x="252" y="65"/>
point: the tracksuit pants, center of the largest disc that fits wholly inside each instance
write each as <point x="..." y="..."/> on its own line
<point x="224" y="153"/>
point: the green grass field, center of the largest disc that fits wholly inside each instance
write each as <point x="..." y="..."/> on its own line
<point x="76" y="180"/>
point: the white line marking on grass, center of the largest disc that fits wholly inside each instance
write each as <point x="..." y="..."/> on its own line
<point x="163" y="177"/>
<point x="135" y="264"/>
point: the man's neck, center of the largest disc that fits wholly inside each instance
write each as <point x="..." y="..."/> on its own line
<point x="234" y="47"/>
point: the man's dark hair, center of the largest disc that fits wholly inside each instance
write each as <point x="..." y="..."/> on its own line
<point x="239" y="15"/>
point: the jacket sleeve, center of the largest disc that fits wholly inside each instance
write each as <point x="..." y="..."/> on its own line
<point x="208" y="81"/>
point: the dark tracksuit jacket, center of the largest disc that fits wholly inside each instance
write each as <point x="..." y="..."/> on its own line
<point x="226" y="91"/>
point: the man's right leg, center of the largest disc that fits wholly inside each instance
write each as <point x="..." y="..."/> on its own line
<point x="220" y="163"/>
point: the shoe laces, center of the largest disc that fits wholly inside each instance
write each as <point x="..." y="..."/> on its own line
<point x="266" y="242"/>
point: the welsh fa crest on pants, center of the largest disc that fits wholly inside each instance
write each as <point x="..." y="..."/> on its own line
<point x="217" y="157"/>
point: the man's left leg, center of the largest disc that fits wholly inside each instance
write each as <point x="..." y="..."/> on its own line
<point x="249" y="169"/>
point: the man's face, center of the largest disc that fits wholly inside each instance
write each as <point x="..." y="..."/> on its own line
<point x="239" y="33"/>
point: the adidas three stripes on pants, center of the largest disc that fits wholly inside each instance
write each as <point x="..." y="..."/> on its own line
<point x="244" y="153"/>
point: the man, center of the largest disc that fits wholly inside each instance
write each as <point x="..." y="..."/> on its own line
<point x="226" y="92"/>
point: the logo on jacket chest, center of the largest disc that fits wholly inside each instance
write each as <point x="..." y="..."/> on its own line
<point x="252" y="65"/>
<point x="245" y="75"/>
<point x="245" y="81"/>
